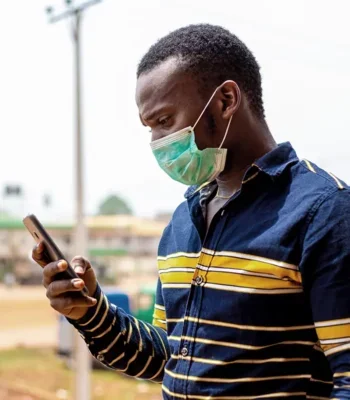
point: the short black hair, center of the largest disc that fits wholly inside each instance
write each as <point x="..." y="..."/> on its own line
<point x="212" y="54"/>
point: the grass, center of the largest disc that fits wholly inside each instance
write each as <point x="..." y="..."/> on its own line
<point x="43" y="376"/>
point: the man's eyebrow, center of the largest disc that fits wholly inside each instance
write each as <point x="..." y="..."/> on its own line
<point x="152" y="114"/>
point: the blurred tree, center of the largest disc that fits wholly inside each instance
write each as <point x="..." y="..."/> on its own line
<point x="113" y="205"/>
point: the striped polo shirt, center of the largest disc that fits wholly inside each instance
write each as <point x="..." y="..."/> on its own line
<point x="256" y="307"/>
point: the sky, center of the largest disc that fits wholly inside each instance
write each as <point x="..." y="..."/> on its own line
<point x="303" y="48"/>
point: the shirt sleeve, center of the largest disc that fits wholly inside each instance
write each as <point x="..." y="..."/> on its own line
<point x="326" y="276"/>
<point x="123" y="342"/>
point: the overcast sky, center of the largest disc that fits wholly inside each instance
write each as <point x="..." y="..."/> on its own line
<point x="302" y="46"/>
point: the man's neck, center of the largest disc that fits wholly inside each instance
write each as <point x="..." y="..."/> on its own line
<point x="256" y="143"/>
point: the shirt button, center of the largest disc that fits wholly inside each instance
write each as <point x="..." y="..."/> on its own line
<point x="222" y="213"/>
<point x="100" y="357"/>
<point x="199" y="280"/>
<point x="184" y="351"/>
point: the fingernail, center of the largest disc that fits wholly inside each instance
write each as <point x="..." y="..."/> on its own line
<point x="79" y="269"/>
<point x="39" y="246"/>
<point x="92" y="300"/>
<point x="61" y="265"/>
<point x="78" y="283"/>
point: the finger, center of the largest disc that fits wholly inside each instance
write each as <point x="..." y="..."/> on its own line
<point x="80" y="265"/>
<point x="52" y="269"/>
<point x="57" y="288"/>
<point x="64" y="304"/>
<point x="39" y="256"/>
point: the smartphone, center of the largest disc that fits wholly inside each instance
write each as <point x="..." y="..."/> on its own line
<point x="52" y="252"/>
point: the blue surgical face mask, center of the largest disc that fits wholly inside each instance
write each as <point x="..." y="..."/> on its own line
<point x="178" y="155"/>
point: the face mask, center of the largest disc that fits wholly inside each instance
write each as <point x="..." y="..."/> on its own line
<point x="178" y="155"/>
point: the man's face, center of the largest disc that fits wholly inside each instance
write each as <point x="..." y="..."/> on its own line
<point x="169" y="100"/>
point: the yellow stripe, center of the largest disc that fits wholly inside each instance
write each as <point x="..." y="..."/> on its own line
<point x="96" y="312"/>
<point x="248" y="281"/>
<point x="233" y="380"/>
<point x="320" y="381"/>
<point x="230" y="279"/>
<point x="311" y="168"/>
<point x="252" y="177"/>
<point x="244" y="256"/>
<point x="117" y="359"/>
<point x="103" y="318"/>
<point x="159" y="314"/>
<point x="163" y="345"/>
<point x="317" y="398"/>
<point x="219" y="362"/>
<point x="132" y="359"/>
<point x="341" y="374"/>
<point x="210" y="397"/>
<point x="158" y="372"/>
<point x="250" y="265"/>
<point x="340" y="186"/>
<point x="336" y="349"/>
<point x="150" y="334"/>
<point x="249" y="327"/>
<point x="106" y="350"/>
<point x="130" y="332"/>
<point x="145" y="367"/>
<point x="237" y="345"/>
<point x="333" y="332"/>
<point x="138" y="329"/>
<point x="160" y="324"/>
<point x="106" y="331"/>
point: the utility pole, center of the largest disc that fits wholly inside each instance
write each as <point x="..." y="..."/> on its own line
<point x="75" y="13"/>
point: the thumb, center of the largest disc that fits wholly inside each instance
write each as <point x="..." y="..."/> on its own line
<point x="80" y="265"/>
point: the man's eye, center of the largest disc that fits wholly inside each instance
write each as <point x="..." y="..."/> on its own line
<point x="163" y="121"/>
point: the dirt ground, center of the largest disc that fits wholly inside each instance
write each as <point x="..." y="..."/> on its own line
<point x="26" y="318"/>
<point x="29" y="367"/>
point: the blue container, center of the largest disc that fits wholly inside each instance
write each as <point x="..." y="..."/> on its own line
<point x="119" y="298"/>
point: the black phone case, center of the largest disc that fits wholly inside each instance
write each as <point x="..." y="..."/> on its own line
<point x="52" y="252"/>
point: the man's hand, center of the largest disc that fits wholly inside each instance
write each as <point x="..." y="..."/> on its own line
<point x="63" y="294"/>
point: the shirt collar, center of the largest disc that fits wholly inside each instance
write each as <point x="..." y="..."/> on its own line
<point x="272" y="163"/>
<point x="277" y="160"/>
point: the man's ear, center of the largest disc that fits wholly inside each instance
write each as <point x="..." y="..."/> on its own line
<point x="230" y="96"/>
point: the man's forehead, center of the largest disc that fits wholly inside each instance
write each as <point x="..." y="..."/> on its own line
<point x="159" y="83"/>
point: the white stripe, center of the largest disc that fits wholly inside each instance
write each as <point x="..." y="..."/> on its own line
<point x="232" y="380"/>
<point x="251" y="257"/>
<point x="333" y="322"/>
<point x="177" y="269"/>
<point x="337" y="349"/>
<point x="179" y="254"/>
<point x="236" y="271"/>
<point x="220" y="362"/>
<point x="176" y="285"/>
<point x="252" y="290"/>
<point x="238" y="345"/>
<point x="159" y="307"/>
<point x="335" y="341"/>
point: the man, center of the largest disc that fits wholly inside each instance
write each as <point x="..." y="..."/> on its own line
<point x="253" y="292"/>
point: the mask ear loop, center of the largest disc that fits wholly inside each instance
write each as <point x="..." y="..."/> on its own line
<point x="211" y="98"/>
<point x="206" y="106"/>
<point x="228" y="126"/>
